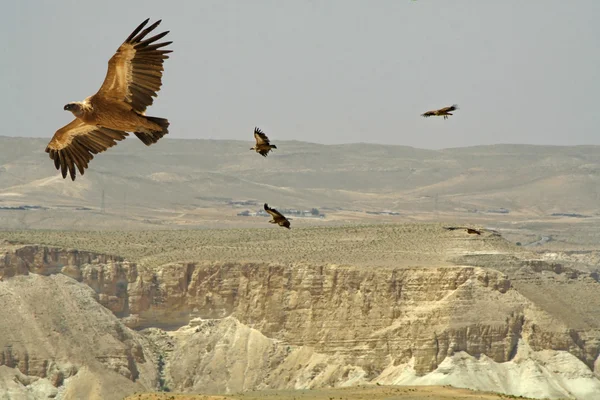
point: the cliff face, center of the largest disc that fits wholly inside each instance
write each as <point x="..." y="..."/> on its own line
<point x="368" y="317"/>
<point x="239" y="326"/>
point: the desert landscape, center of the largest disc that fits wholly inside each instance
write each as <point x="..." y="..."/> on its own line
<point x="542" y="195"/>
<point x="300" y="200"/>
<point x="176" y="292"/>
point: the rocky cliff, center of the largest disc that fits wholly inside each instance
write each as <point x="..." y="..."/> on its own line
<point x="225" y="327"/>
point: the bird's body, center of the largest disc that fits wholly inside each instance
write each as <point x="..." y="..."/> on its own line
<point x="470" y="231"/>
<point x="132" y="80"/>
<point x="278" y="218"/>
<point x="441" y="112"/>
<point x="114" y="115"/>
<point x="263" y="146"/>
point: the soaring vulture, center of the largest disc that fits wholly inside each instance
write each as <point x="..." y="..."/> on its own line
<point x="442" y="111"/>
<point x="278" y="218"/>
<point x="470" y="231"/>
<point x="263" y="146"/>
<point x="133" y="78"/>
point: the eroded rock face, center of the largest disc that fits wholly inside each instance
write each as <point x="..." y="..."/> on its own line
<point x="109" y="276"/>
<point x="313" y="324"/>
<point x="231" y="357"/>
<point x="367" y="316"/>
<point x="52" y="326"/>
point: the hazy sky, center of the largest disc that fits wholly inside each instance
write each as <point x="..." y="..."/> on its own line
<point x="326" y="71"/>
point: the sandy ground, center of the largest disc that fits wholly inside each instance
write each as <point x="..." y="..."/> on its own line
<point x="407" y="244"/>
<point x="352" y="393"/>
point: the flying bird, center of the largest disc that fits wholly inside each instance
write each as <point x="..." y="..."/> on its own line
<point x="133" y="78"/>
<point x="470" y="231"/>
<point x="442" y="111"/>
<point x="278" y="218"/>
<point x="263" y="145"/>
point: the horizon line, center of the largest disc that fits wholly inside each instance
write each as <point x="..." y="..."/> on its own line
<point x="352" y="143"/>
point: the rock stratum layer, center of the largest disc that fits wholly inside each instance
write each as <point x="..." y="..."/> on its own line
<point x="79" y="324"/>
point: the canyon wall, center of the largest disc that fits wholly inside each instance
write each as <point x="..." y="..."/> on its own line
<point x="225" y="327"/>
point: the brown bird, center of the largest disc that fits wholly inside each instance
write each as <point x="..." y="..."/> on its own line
<point x="470" y="231"/>
<point x="133" y="78"/>
<point x="263" y="146"/>
<point x="442" y="111"/>
<point x="278" y="218"/>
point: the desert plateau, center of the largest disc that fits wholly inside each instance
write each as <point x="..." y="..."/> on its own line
<point x="300" y="200"/>
<point x="226" y="305"/>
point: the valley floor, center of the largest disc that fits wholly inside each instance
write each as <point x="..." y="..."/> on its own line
<point x="351" y="393"/>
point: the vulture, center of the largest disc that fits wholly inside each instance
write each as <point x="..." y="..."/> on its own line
<point x="263" y="146"/>
<point x="442" y="111"/>
<point x="132" y="80"/>
<point x="470" y="231"/>
<point x="278" y="218"/>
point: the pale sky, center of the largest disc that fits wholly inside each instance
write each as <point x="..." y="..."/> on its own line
<point x="325" y="71"/>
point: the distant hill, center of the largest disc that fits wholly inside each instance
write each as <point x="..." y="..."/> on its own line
<point x="177" y="181"/>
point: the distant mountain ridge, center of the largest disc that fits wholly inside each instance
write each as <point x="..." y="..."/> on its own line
<point x="182" y="175"/>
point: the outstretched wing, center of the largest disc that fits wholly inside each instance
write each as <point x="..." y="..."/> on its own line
<point x="441" y="111"/>
<point x="260" y="137"/>
<point x="264" y="151"/>
<point x="466" y="228"/>
<point x="448" y="109"/>
<point x="74" y="144"/>
<point x="135" y="71"/>
<point x="273" y="212"/>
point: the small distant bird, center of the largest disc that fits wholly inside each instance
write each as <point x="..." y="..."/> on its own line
<point x="442" y="111"/>
<point x="278" y="218"/>
<point x="263" y="145"/>
<point x="133" y="78"/>
<point x="470" y="231"/>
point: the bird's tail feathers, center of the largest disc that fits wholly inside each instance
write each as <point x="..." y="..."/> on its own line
<point x="273" y="146"/>
<point x="151" y="137"/>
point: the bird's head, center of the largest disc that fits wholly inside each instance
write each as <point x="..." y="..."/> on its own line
<point x="75" y="108"/>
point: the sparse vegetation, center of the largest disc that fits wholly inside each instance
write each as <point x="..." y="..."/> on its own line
<point x="375" y="392"/>
<point x="161" y="374"/>
<point x="357" y="245"/>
